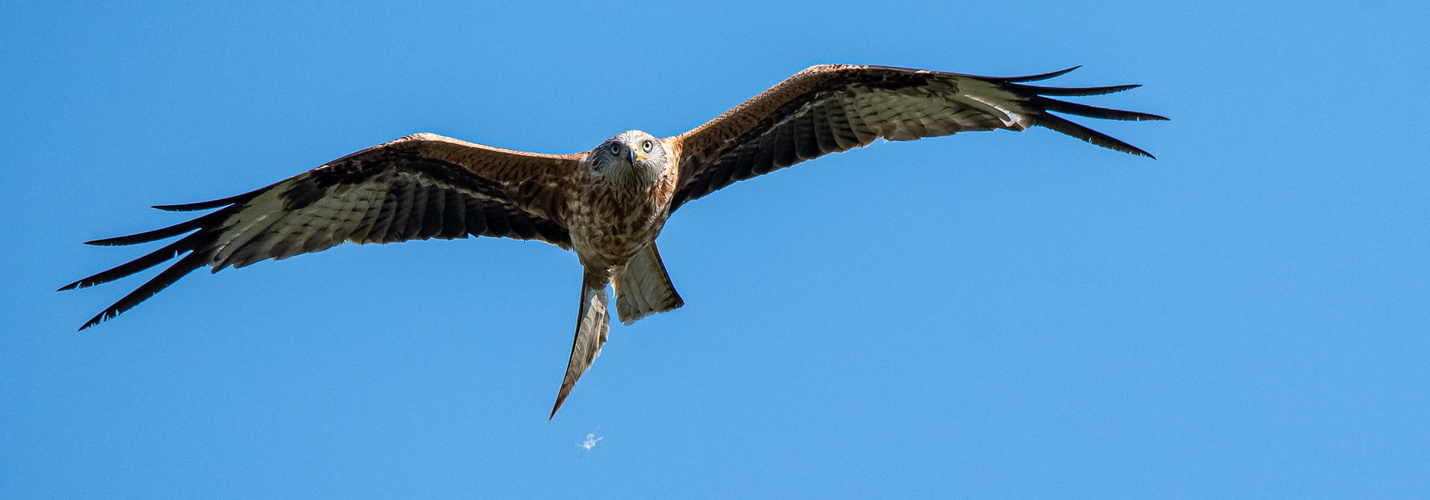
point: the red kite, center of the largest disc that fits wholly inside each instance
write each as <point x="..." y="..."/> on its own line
<point x="608" y="204"/>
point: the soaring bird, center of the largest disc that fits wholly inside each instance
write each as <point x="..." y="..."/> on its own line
<point x="608" y="204"/>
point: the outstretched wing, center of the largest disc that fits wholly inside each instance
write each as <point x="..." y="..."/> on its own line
<point x="831" y="109"/>
<point x="414" y="188"/>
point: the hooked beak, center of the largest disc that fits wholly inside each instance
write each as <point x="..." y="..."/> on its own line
<point x="632" y="155"/>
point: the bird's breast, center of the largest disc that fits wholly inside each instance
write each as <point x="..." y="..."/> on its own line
<point x="608" y="226"/>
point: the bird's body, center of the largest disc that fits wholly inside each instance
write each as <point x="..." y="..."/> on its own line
<point x="621" y="205"/>
<point x="620" y="202"/>
<point x="608" y="204"/>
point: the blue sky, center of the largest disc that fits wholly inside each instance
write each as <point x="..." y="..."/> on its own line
<point x="986" y="315"/>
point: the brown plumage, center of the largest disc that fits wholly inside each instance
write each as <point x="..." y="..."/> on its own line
<point x="608" y="204"/>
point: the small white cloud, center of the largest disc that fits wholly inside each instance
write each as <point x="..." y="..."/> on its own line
<point x="590" y="441"/>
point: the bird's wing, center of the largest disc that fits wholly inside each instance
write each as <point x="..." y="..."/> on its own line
<point x="414" y="188"/>
<point x="831" y="109"/>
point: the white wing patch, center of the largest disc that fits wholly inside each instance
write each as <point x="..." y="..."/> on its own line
<point x="361" y="213"/>
<point x="925" y="112"/>
<point x="248" y="223"/>
<point x="994" y="101"/>
<point x="325" y="223"/>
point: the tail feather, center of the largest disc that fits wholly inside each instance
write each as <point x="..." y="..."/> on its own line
<point x="593" y="326"/>
<point x="643" y="287"/>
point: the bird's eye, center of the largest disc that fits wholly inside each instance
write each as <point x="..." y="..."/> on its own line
<point x="647" y="145"/>
<point x="615" y="148"/>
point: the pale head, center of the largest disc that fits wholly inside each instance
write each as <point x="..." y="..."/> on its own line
<point x="633" y="160"/>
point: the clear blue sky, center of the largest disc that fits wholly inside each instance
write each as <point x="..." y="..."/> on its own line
<point x="986" y="315"/>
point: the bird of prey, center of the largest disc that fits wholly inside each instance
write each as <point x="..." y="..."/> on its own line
<point x="608" y="204"/>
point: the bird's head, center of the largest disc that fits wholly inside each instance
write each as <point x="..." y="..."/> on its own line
<point x="633" y="160"/>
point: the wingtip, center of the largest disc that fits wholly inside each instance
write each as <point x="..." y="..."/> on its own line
<point x="1034" y="78"/>
<point x="1125" y="148"/>
<point x="211" y="204"/>
<point x="559" y="399"/>
<point x="93" y="321"/>
<point x="178" y="207"/>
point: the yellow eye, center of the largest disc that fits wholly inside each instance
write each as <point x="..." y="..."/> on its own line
<point x="647" y="145"/>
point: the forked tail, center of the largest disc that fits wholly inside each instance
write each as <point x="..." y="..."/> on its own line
<point x="643" y="287"/>
<point x="593" y="325"/>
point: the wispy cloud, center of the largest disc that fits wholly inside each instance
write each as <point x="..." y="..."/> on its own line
<point x="590" y="441"/>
